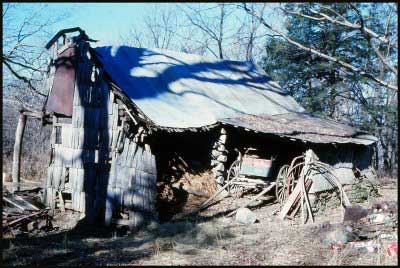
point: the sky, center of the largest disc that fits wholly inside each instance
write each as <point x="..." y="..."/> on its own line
<point x="106" y="21"/>
<point x="110" y="23"/>
<point x="101" y="21"/>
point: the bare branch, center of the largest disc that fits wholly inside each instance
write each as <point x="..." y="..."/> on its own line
<point x="368" y="38"/>
<point x="23" y="78"/>
<point x="22" y="65"/>
<point x="25" y="106"/>
<point x="345" y="22"/>
<point x="302" y="15"/>
<point x="217" y="31"/>
<point x="322" y="55"/>
<point x="334" y="12"/>
<point x="388" y="22"/>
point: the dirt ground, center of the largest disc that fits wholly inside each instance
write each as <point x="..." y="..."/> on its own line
<point x="209" y="239"/>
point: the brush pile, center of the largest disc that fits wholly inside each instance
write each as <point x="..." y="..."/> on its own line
<point x="371" y="229"/>
<point x="23" y="213"/>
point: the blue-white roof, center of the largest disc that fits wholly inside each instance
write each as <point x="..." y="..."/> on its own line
<point x="183" y="90"/>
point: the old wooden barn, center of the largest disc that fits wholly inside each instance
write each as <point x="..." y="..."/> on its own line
<point x="119" y="113"/>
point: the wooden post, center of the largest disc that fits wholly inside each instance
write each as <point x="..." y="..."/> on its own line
<point x="16" y="167"/>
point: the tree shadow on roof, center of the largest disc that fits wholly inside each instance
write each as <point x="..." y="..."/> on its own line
<point x="224" y="85"/>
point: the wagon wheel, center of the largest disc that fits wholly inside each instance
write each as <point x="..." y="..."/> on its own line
<point x="280" y="192"/>
<point x="293" y="176"/>
<point x="234" y="190"/>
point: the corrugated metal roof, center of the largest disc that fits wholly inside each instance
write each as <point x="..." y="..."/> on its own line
<point x="182" y="90"/>
<point x="302" y="126"/>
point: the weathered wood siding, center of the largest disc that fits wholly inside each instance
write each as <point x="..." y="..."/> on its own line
<point x="105" y="172"/>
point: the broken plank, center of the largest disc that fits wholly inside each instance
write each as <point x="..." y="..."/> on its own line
<point x="26" y="202"/>
<point x="22" y="218"/>
<point x="13" y="203"/>
<point x="291" y="200"/>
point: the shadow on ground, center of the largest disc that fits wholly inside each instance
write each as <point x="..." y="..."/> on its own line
<point x="89" y="245"/>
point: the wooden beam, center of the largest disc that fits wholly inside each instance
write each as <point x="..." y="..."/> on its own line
<point x="16" y="166"/>
<point x="295" y="195"/>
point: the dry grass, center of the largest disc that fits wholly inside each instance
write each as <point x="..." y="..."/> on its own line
<point x="205" y="240"/>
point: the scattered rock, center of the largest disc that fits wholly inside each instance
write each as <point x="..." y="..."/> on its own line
<point x="336" y="235"/>
<point x="377" y="218"/>
<point x="370" y="246"/>
<point x="245" y="216"/>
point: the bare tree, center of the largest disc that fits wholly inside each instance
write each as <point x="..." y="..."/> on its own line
<point x="375" y="40"/>
<point x="24" y="57"/>
<point x="222" y="30"/>
<point x="249" y="36"/>
<point x="26" y="28"/>
<point x="212" y="22"/>
<point x="159" y="30"/>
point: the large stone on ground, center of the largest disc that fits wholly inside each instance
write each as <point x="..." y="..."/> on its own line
<point x="245" y="216"/>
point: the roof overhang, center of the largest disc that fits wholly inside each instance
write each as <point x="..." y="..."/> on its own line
<point x="303" y="127"/>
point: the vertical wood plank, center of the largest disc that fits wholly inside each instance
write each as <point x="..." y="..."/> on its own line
<point x="82" y="202"/>
<point x="77" y="99"/>
<point x="132" y="152"/>
<point x="109" y="206"/>
<point x="115" y="116"/>
<point x="49" y="181"/>
<point x="110" y="105"/>
<point x="138" y="160"/>
<point x="80" y="179"/>
<point x="77" y="161"/>
<point x="72" y="179"/>
<point x="153" y="165"/>
<point x="57" y="173"/>
<point x="152" y="192"/>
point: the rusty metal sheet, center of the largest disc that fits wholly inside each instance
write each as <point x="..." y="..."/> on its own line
<point x="61" y="96"/>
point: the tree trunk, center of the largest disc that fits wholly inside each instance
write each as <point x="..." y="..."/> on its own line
<point x="16" y="167"/>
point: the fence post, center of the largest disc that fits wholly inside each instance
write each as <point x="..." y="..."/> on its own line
<point x="16" y="166"/>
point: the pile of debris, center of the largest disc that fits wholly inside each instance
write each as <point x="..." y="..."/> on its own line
<point x="371" y="229"/>
<point x="182" y="186"/>
<point x="23" y="213"/>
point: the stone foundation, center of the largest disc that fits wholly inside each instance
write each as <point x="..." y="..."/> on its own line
<point x="357" y="193"/>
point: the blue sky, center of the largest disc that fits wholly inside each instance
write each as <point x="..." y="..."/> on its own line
<point x="107" y="21"/>
<point x="102" y="21"/>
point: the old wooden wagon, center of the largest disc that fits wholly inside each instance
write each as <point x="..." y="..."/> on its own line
<point x="116" y="113"/>
<point x="248" y="172"/>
